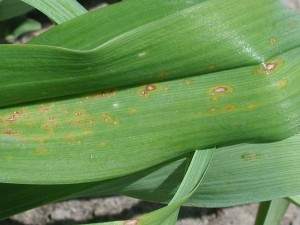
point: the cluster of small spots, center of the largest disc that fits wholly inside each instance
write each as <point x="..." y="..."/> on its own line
<point x="17" y="113"/>
<point x="12" y="132"/>
<point x="14" y="116"/>
<point x="78" y="114"/>
<point x="105" y="118"/>
<point x="214" y="110"/>
<point x="229" y="107"/>
<point x="108" y="93"/>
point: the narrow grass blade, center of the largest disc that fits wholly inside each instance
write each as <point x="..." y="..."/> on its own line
<point x="271" y="212"/>
<point x="192" y="179"/>
<point x="28" y="25"/>
<point x="295" y="200"/>
<point x="57" y="10"/>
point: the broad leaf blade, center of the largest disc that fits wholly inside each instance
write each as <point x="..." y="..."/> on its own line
<point x="162" y="52"/>
<point x="91" y="137"/>
<point x="74" y="136"/>
<point x="238" y="174"/>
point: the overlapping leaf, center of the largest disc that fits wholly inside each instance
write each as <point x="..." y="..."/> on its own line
<point x="58" y="11"/>
<point x="13" y="8"/>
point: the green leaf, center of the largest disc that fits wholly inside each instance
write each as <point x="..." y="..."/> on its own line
<point x="272" y="212"/>
<point x="13" y="8"/>
<point x="16" y="198"/>
<point x="238" y="174"/>
<point x="192" y="179"/>
<point x="76" y="135"/>
<point x="65" y="68"/>
<point x="62" y="141"/>
<point x="57" y="10"/>
<point x="295" y="199"/>
<point x="29" y="25"/>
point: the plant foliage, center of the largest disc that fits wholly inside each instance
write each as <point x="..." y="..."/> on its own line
<point x="99" y="106"/>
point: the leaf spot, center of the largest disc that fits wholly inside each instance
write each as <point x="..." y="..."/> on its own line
<point x="221" y="89"/>
<point x="252" y="106"/>
<point x="213" y="110"/>
<point x="229" y="107"/>
<point x="282" y="84"/>
<point x="142" y="54"/>
<point x="42" y="150"/>
<point x="270" y="66"/>
<point x="273" y="41"/>
<point x="149" y="88"/>
<point x="11" y="119"/>
<point x="187" y="82"/>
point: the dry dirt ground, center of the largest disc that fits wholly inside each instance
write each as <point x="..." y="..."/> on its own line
<point x="115" y="208"/>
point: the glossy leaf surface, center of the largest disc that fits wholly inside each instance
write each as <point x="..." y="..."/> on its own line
<point x="91" y="137"/>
